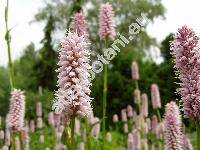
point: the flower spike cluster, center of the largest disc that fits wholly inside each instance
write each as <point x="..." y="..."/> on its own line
<point x="185" y="51"/>
<point x="173" y="125"/>
<point x="15" y="117"/>
<point x="73" y="79"/>
<point x="106" y="22"/>
<point x="79" y="25"/>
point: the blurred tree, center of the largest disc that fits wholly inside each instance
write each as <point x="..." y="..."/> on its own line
<point x="44" y="69"/>
<point x="24" y="68"/>
<point x="4" y="90"/>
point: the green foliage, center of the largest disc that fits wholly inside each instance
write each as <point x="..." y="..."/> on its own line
<point x="49" y="139"/>
<point x="4" y="90"/>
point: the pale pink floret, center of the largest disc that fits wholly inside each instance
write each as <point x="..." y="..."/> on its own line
<point x="145" y="111"/>
<point x="96" y="128"/>
<point x="154" y="124"/>
<point x="39" y="123"/>
<point x="155" y="96"/>
<point x="136" y="139"/>
<point x="130" y="142"/>
<point x="1" y="135"/>
<point x="15" y="117"/>
<point x="106" y="22"/>
<point x="73" y="79"/>
<point x="108" y="137"/>
<point x="135" y="71"/>
<point x="80" y="25"/>
<point x="137" y="96"/>
<point x="125" y="128"/>
<point x="51" y="119"/>
<point x="123" y="115"/>
<point x="57" y="119"/>
<point x="185" y="51"/>
<point x="77" y="127"/>
<point x="129" y="111"/>
<point x="32" y="126"/>
<point x="115" y="118"/>
<point x="25" y="138"/>
<point x="186" y="143"/>
<point x="39" y="109"/>
<point x="173" y="127"/>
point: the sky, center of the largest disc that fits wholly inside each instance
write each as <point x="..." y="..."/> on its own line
<point x="21" y="12"/>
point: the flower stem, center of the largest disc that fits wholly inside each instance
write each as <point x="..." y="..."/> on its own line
<point x="104" y="101"/>
<point x="198" y="135"/>
<point x="72" y="132"/>
<point x="21" y="140"/>
<point x="159" y="116"/>
<point x="88" y="134"/>
<point x="7" y="38"/>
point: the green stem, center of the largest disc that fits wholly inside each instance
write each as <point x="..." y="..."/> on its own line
<point x="104" y="101"/>
<point x="159" y="116"/>
<point x="13" y="147"/>
<point x="21" y="140"/>
<point x="88" y="134"/>
<point x="198" y="135"/>
<point x="7" y="38"/>
<point x="72" y="132"/>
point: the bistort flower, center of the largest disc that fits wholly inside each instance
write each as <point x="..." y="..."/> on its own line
<point x="106" y="22"/>
<point x="185" y="51"/>
<point x="15" y="117"/>
<point x="73" y="79"/>
<point x="173" y="127"/>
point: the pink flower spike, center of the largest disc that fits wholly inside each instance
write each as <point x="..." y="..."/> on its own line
<point x="135" y="71"/>
<point x="173" y="126"/>
<point x="73" y="95"/>
<point x="79" y="25"/>
<point x="145" y="111"/>
<point x="155" y="96"/>
<point x="39" y="109"/>
<point x="136" y="96"/>
<point x="115" y="118"/>
<point x="154" y="124"/>
<point x="15" y="117"/>
<point x="51" y="119"/>
<point x="186" y="143"/>
<point x="185" y="50"/>
<point x="124" y="115"/>
<point x="106" y="22"/>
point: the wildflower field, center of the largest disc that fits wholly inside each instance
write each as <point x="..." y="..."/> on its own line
<point x="99" y="80"/>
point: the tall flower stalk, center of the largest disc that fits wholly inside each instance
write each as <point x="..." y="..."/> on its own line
<point x="7" y="38"/>
<point x="135" y="77"/>
<point x="106" y="32"/>
<point x="185" y="51"/>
